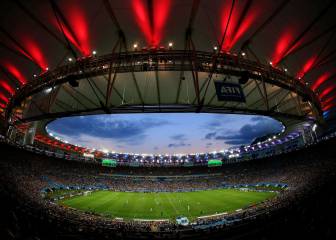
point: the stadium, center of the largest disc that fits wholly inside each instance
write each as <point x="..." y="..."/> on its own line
<point x="167" y="119"/>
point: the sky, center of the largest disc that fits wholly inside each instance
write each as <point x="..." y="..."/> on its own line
<point x="161" y="133"/>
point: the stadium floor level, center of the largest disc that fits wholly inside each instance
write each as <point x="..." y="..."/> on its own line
<point x="311" y="217"/>
<point x="167" y="205"/>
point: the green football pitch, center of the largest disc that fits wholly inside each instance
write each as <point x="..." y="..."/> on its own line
<point x="165" y="205"/>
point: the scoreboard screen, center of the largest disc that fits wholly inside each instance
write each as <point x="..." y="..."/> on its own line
<point x="109" y="162"/>
<point x="214" y="163"/>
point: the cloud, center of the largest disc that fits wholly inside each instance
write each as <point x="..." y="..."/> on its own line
<point x="214" y="124"/>
<point x="234" y="142"/>
<point x="221" y="137"/>
<point x="123" y="130"/>
<point x="208" y="145"/>
<point x="146" y="132"/>
<point x="180" y="141"/>
<point x="179" y="137"/>
<point x="210" y="135"/>
<point x="258" y="118"/>
<point x="177" y="145"/>
<point x="219" y="123"/>
<point x="259" y="126"/>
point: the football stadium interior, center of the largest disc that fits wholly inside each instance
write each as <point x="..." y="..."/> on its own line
<point x="167" y="119"/>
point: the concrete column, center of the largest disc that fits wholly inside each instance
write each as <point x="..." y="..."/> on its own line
<point x="11" y="133"/>
<point x="30" y="134"/>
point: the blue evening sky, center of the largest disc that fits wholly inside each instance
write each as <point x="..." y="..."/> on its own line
<point x="162" y="133"/>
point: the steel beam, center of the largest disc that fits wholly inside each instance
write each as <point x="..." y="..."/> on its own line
<point x="187" y="41"/>
<point x="96" y="66"/>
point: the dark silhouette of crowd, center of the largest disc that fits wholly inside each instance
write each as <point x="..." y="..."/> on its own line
<point x="28" y="215"/>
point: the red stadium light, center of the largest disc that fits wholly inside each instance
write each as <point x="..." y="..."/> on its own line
<point x="327" y="107"/>
<point x="284" y="46"/>
<point x="36" y="53"/>
<point x="325" y="76"/>
<point x="4" y="98"/>
<point x="306" y="67"/>
<point x="237" y="26"/>
<point x="326" y="91"/>
<point x="32" y="51"/>
<point x="142" y="19"/>
<point x="281" y="46"/>
<point x="161" y="10"/>
<point x="14" y="71"/>
<point x="7" y="87"/>
<point x="329" y="100"/>
<point x="78" y="35"/>
<point x="153" y="32"/>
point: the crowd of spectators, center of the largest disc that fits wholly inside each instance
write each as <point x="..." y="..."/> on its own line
<point x="26" y="174"/>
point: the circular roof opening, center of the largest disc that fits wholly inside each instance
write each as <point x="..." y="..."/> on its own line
<point x="162" y="133"/>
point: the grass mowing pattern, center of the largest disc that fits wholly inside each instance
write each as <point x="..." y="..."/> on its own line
<point x="165" y="205"/>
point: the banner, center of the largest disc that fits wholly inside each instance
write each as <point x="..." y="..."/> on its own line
<point x="229" y="92"/>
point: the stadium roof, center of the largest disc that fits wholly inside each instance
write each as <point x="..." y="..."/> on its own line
<point x="47" y="46"/>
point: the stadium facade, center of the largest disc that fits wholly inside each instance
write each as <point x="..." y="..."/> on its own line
<point x="76" y="58"/>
